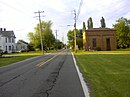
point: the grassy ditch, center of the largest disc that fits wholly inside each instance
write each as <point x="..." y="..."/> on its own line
<point x="107" y="72"/>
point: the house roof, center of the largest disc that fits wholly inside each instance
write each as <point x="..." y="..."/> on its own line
<point x="100" y="29"/>
<point x="7" y="34"/>
<point x="21" y="41"/>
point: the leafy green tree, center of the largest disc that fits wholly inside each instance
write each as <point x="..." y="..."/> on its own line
<point x="122" y="32"/>
<point x="103" y="24"/>
<point x="47" y="36"/>
<point x="79" y="38"/>
<point x="31" y="47"/>
<point x="59" y="44"/>
<point x="1" y="52"/>
<point x="80" y="43"/>
<point x="90" y="23"/>
<point x="84" y="27"/>
<point x="70" y="36"/>
<point x="34" y="39"/>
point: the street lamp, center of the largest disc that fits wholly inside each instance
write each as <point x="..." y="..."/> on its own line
<point x="70" y="25"/>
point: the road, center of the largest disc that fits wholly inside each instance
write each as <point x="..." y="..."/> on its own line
<point x="52" y="75"/>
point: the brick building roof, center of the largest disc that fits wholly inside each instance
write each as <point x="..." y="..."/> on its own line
<point x="100" y="29"/>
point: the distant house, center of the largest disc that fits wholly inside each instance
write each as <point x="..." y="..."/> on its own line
<point x="99" y="39"/>
<point x="21" y="46"/>
<point x="7" y="41"/>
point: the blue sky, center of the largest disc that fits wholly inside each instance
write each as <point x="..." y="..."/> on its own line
<point x="18" y="15"/>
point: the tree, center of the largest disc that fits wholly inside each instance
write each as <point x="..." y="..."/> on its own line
<point x="79" y="38"/>
<point x="90" y="23"/>
<point x="1" y="52"/>
<point x="103" y="25"/>
<point x="122" y="32"/>
<point x="70" y="36"/>
<point x="47" y="35"/>
<point x="59" y="44"/>
<point x="30" y="47"/>
<point x="84" y="27"/>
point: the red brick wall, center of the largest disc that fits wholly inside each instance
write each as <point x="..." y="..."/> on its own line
<point x="101" y="35"/>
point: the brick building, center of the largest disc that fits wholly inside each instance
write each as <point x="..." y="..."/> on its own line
<point x="99" y="39"/>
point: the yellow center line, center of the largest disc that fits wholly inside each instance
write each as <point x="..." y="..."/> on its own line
<point x="44" y="62"/>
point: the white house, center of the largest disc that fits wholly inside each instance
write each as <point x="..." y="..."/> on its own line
<point x="21" y="46"/>
<point x="7" y="41"/>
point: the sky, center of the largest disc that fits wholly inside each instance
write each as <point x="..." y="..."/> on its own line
<point x="18" y="15"/>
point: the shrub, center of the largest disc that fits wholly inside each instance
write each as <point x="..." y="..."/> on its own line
<point x="98" y="48"/>
<point x="1" y="52"/>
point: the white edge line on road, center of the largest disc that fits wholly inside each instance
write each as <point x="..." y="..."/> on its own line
<point x="84" y="86"/>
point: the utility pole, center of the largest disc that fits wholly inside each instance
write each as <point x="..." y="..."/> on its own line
<point x="56" y="34"/>
<point x="75" y="46"/>
<point x="56" y="39"/>
<point x="39" y="16"/>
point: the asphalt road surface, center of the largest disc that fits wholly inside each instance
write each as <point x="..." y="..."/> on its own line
<point x="52" y="75"/>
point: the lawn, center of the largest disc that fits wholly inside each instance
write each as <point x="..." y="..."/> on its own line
<point x="15" y="57"/>
<point x="106" y="72"/>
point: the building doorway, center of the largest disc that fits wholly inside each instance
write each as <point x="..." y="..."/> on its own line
<point x="108" y="45"/>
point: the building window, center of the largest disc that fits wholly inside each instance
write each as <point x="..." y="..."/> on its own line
<point x="9" y="48"/>
<point x="6" y="40"/>
<point x="12" y="40"/>
<point x="9" y="40"/>
<point x="94" y="42"/>
<point x="6" y="48"/>
<point x="12" y="48"/>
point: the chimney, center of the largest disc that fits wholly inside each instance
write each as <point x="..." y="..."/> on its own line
<point x="4" y="29"/>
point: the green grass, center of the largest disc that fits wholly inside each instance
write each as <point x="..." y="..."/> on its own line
<point x="107" y="72"/>
<point x="12" y="58"/>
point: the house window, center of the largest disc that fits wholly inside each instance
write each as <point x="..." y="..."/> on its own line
<point x="6" y="48"/>
<point x="9" y="40"/>
<point x="6" y="40"/>
<point x="94" y="42"/>
<point x="9" y="48"/>
<point x="12" y="48"/>
<point x="12" y="40"/>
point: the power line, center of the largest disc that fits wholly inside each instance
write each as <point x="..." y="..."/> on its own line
<point x="20" y="11"/>
<point x="11" y="7"/>
<point x="80" y="5"/>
